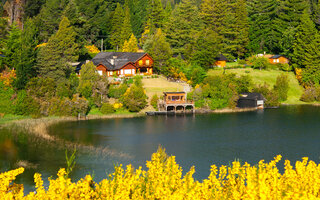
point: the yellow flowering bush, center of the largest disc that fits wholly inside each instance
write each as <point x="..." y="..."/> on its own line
<point x="117" y="106"/>
<point x="164" y="180"/>
<point x="92" y="49"/>
<point x="7" y="77"/>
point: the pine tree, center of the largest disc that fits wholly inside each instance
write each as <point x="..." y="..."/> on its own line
<point x="306" y="50"/>
<point x="12" y="47"/>
<point x="131" y="45"/>
<point x="206" y="48"/>
<point x="49" y="18"/>
<point x="159" y="49"/>
<point x="207" y="13"/>
<point x="290" y="12"/>
<point x="184" y="27"/>
<point x="241" y="40"/>
<point x="262" y="15"/>
<point x="54" y="59"/>
<point x="117" y="22"/>
<point x="25" y="69"/>
<point x="126" y="30"/>
<point x="156" y="15"/>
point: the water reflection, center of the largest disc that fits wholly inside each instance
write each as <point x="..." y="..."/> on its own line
<point x="199" y="140"/>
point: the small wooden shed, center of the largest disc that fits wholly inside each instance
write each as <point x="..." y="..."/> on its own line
<point x="251" y="100"/>
<point x="221" y="61"/>
<point x="278" y="59"/>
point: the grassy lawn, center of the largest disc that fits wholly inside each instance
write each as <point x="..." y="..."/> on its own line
<point x="160" y="85"/>
<point x="269" y="77"/>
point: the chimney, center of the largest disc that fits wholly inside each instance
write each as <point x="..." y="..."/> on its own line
<point x="112" y="60"/>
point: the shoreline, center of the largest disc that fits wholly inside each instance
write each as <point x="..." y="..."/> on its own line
<point x="39" y="127"/>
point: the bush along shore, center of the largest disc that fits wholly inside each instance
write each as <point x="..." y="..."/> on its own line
<point x="164" y="179"/>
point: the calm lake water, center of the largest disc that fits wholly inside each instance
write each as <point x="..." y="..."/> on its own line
<point x="195" y="140"/>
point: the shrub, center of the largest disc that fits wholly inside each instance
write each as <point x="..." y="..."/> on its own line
<point x="6" y="97"/>
<point x="117" y="91"/>
<point x="285" y="67"/>
<point x="107" y="108"/>
<point x="154" y="101"/>
<point x="272" y="98"/>
<point x="309" y="94"/>
<point x="242" y="62"/>
<point x="25" y="105"/>
<point x="259" y="62"/>
<point x="282" y="87"/>
<point x="41" y="88"/>
<point x="85" y="88"/>
<point x="68" y="107"/>
<point x="134" y="99"/>
<point x="63" y="89"/>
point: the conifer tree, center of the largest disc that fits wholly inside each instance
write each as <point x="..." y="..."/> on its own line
<point x="55" y="58"/>
<point x="25" y="69"/>
<point x="156" y="15"/>
<point x="117" y="22"/>
<point x="288" y="19"/>
<point x="126" y="30"/>
<point x="241" y="28"/>
<point x="185" y="25"/>
<point x="131" y="45"/>
<point x="306" y="50"/>
<point x="262" y="15"/>
<point x="49" y="18"/>
<point x="12" y="47"/>
<point x="207" y="13"/>
<point x="159" y="49"/>
<point x="206" y="48"/>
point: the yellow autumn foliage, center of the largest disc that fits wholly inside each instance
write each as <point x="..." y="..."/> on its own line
<point x="92" y="49"/>
<point x="7" y="77"/>
<point x="164" y="180"/>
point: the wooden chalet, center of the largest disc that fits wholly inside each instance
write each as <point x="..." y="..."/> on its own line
<point x="123" y="63"/>
<point x="221" y="61"/>
<point x="175" y="101"/>
<point x="278" y="59"/>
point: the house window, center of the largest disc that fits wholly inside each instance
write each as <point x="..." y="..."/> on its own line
<point x="140" y="62"/>
<point x="100" y="72"/>
<point x="127" y="71"/>
<point x="111" y="73"/>
<point x="122" y="72"/>
<point x="147" y="62"/>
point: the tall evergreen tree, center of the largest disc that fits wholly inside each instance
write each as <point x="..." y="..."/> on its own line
<point x="206" y="48"/>
<point x="117" y="22"/>
<point x="25" y="69"/>
<point x="159" y="49"/>
<point x="184" y="27"/>
<point x="126" y="29"/>
<point x="54" y="59"/>
<point x="241" y="40"/>
<point x="49" y="18"/>
<point x="288" y="20"/>
<point x="207" y="13"/>
<point x="12" y="47"/>
<point x="306" y="50"/>
<point x="262" y="15"/>
<point x="32" y="8"/>
<point x="156" y="15"/>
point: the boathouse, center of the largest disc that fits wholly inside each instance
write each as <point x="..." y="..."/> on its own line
<point x="175" y="101"/>
<point x="251" y="100"/>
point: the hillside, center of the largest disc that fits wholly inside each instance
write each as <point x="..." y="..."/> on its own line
<point x="269" y="77"/>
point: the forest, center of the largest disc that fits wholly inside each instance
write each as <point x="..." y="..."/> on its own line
<point x="42" y="38"/>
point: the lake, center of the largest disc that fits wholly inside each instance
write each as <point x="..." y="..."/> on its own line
<point x="195" y="140"/>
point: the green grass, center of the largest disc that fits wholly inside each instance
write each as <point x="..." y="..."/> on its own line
<point x="8" y="118"/>
<point x="96" y="111"/>
<point x="269" y="77"/>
